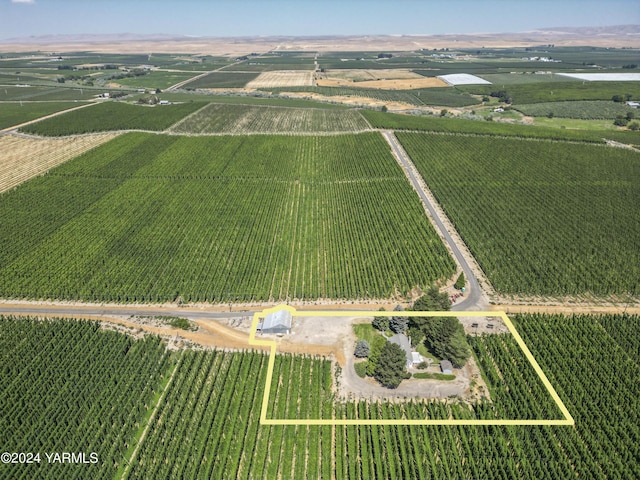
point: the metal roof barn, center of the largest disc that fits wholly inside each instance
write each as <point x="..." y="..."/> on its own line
<point x="277" y="322"/>
<point x="446" y="367"/>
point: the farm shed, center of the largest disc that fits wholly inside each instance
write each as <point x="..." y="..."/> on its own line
<point x="446" y="367"/>
<point x="277" y="322"/>
<point x="416" y="358"/>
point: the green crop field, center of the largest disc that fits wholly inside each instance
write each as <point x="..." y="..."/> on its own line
<point x="516" y="390"/>
<point x="445" y="97"/>
<point x="429" y="123"/>
<point x="502" y="80"/>
<point x="590" y="361"/>
<point x="70" y="386"/>
<point x="202" y="427"/>
<point x="225" y="118"/>
<point x="223" y="80"/>
<point x="40" y="94"/>
<point x="220" y="435"/>
<point x="112" y="116"/>
<point x="484" y="66"/>
<point x="14" y="114"/>
<point x="156" y="79"/>
<point x="369" y="61"/>
<point x="541" y="218"/>
<point x="152" y="218"/>
<point x="241" y="99"/>
<point x="271" y="63"/>
<point x="584" y="110"/>
<point x="558" y="91"/>
<point x="18" y="79"/>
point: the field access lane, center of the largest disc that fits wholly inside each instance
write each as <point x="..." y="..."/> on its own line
<point x="475" y="298"/>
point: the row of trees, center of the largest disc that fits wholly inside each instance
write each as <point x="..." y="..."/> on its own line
<point x="397" y="323"/>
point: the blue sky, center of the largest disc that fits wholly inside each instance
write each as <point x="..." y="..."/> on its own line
<point x="21" y="18"/>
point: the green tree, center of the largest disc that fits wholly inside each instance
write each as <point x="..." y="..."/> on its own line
<point x="635" y="126"/>
<point x="376" y="347"/>
<point x="444" y="336"/>
<point x="432" y="300"/>
<point x="446" y="339"/>
<point x="362" y="349"/>
<point x="460" y="281"/>
<point x="380" y="323"/>
<point x="621" y="121"/>
<point x="399" y="324"/>
<point x="457" y="349"/>
<point x="391" y="367"/>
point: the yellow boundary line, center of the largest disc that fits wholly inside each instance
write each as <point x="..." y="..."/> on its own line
<point x="568" y="419"/>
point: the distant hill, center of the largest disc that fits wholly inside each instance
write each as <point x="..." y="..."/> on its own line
<point x="594" y="31"/>
<point x="609" y="36"/>
<point x="93" y="38"/>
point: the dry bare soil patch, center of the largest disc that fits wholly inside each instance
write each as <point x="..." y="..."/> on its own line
<point x="359" y="75"/>
<point x="282" y="78"/>
<point x="394" y="84"/>
<point x="246" y="119"/>
<point x="23" y="158"/>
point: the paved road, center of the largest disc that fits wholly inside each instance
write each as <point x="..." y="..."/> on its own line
<point x="98" y="310"/>
<point x="11" y="130"/>
<point x="204" y="74"/>
<point x="127" y="310"/>
<point x="474" y="297"/>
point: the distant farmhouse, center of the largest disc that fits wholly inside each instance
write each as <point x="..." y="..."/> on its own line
<point x="278" y="322"/>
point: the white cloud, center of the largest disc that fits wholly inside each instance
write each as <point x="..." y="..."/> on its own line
<point x="23" y="1"/>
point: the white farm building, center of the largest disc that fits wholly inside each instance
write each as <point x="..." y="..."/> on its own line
<point x="276" y="322"/>
<point x="463" y="79"/>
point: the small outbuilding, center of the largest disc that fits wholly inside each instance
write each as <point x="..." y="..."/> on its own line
<point x="277" y="322"/>
<point x="416" y="358"/>
<point x="447" y="367"/>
